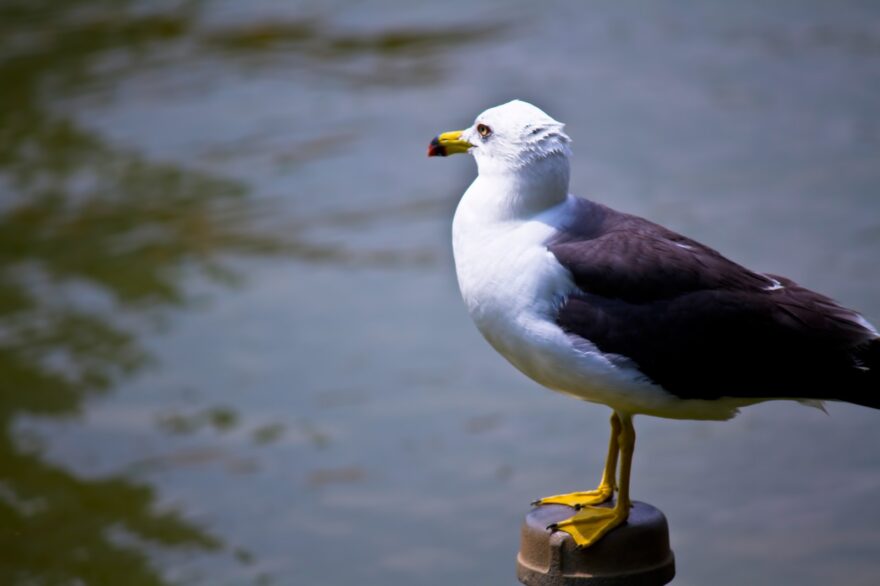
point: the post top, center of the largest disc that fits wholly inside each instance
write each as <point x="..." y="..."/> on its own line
<point x="634" y="554"/>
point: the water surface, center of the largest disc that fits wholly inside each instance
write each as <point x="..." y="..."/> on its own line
<point x="231" y="343"/>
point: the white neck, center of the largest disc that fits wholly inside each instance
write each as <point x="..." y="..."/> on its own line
<point x="503" y="191"/>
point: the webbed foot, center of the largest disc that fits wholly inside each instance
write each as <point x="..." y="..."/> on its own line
<point x="581" y="499"/>
<point x="589" y="524"/>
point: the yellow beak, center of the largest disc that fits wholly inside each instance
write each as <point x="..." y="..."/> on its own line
<point x="448" y="143"/>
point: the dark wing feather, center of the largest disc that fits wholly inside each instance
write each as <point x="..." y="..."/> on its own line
<point x="702" y="326"/>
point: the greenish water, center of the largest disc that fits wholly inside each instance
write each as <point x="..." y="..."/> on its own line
<point x="231" y="345"/>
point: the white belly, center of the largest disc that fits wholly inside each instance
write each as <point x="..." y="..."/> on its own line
<point x="512" y="287"/>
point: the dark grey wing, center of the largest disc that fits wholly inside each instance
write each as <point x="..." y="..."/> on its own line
<point x="626" y="257"/>
<point x="702" y="326"/>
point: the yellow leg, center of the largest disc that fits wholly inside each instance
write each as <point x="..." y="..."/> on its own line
<point x="605" y="490"/>
<point x="590" y="524"/>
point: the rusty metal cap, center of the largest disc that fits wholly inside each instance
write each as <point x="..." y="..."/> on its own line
<point x="634" y="554"/>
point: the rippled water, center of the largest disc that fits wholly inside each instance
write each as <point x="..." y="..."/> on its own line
<point x="231" y="345"/>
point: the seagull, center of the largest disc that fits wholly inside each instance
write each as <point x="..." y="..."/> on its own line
<point x="614" y="309"/>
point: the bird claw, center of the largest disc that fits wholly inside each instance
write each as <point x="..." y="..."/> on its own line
<point x="553" y="527"/>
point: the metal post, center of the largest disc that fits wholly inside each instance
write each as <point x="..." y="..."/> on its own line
<point x="634" y="554"/>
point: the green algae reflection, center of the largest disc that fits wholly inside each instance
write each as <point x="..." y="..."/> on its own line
<point x="93" y="242"/>
<point x="98" y="242"/>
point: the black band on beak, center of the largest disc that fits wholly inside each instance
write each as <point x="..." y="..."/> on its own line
<point x="435" y="149"/>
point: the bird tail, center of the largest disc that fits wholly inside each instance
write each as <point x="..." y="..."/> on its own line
<point x="866" y="390"/>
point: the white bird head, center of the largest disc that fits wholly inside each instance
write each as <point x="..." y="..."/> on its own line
<point x="507" y="137"/>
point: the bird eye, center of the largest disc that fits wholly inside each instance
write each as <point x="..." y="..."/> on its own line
<point x="484" y="130"/>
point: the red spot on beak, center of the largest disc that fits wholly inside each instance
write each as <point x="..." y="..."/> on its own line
<point x="435" y="149"/>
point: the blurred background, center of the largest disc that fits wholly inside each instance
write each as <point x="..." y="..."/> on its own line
<point x="232" y="349"/>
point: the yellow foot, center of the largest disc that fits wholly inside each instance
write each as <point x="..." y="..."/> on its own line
<point x="579" y="499"/>
<point x="590" y="524"/>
